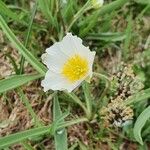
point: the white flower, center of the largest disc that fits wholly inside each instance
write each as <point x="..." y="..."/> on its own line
<point x="69" y="62"/>
<point x="97" y="3"/>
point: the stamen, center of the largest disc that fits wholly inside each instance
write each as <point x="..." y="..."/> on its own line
<point x="75" y="68"/>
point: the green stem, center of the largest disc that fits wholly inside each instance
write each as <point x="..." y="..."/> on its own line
<point x="23" y="135"/>
<point x="79" y="13"/>
<point x="78" y="101"/>
<point x="28" y="106"/>
<point x="107" y="81"/>
<point x="69" y="123"/>
<point x="26" y="145"/>
<point x="27" y="37"/>
<point x="86" y="90"/>
<point x="20" y="47"/>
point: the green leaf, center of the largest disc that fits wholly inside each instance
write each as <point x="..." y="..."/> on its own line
<point x="32" y="133"/>
<point x="26" y="102"/>
<point x="45" y="8"/>
<point x="13" y="62"/>
<point x="60" y="136"/>
<point x="16" y="81"/>
<point x="82" y="146"/>
<point x="128" y="38"/>
<point x="143" y="95"/>
<point x="108" y="8"/>
<point x="88" y="98"/>
<point x="27" y="146"/>
<point x="6" y="11"/>
<point x="20" y="136"/>
<point x="109" y="36"/>
<point x="143" y="2"/>
<point x="27" y="54"/>
<point x="77" y="100"/>
<point x="73" y="146"/>
<point x="140" y="122"/>
<point x="21" y="70"/>
<point x="89" y="23"/>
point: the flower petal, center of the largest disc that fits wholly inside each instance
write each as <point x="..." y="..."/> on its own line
<point x="54" y="59"/>
<point x="91" y="61"/>
<point x="71" y="45"/>
<point x="53" y="81"/>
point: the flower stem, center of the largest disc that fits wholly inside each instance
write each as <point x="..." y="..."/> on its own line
<point x="107" y="81"/>
<point x="29" y="107"/>
<point x="79" y="13"/>
<point x="22" y="61"/>
<point x="78" y="101"/>
<point x="86" y="90"/>
<point x="69" y="123"/>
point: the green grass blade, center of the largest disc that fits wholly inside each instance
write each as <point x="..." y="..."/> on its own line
<point x="143" y="95"/>
<point x="6" y="11"/>
<point x="128" y="38"/>
<point x="25" y="100"/>
<point x="13" y="62"/>
<point x="88" y="98"/>
<point x="140" y="122"/>
<point x="28" y="134"/>
<point x="73" y="147"/>
<point x="45" y="8"/>
<point x="60" y="138"/>
<point x="77" y="100"/>
<point x="6" y="148"/>
<point x="112" y="6"/>
<point x="28" y="36"/>
<point x="61" y="135"/>
<point x="28" y="55"/>
<point x="16" y="81"/>
<point x="72" y="122"/>
<point x="143" y="2"/>
<point x="108" y="36"/>
<point x="82" y="146"/>
<point x="20" y="136"/>
<point x="27" y="146"/>
<point x="108" y="8"/>
<point x="90" y="25"/>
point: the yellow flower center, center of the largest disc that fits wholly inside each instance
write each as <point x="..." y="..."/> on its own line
<point x="75" y="68"/>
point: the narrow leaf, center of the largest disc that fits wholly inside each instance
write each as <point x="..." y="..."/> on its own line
<point x="21" y="70"/>
<point x="44" y="6"/>
<point x="90" y="24"/>
<point x="143" y="2"/>
<point x="28" y="134"/>
<point x="143" y="95"/>
<point x="112" y="6"/>
<point x="16" y="81"/>
<point x="26" y="102"/>
<point x="20" y="136"/>
<point x="6" y="11"/>
<point x="108" y="36"/>
<point x="140" y="122"/>
<point x="88" y="98"/>
<point x="27" y="146"/>
<point x="27" y="54"/>
<point x="60" y="136"/>
<point x="128" y="38"/>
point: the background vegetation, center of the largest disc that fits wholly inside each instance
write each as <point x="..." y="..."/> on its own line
<point x="119" y="32"/>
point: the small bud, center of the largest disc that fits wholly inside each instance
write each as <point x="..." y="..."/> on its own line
<point x="64" y="1"/>
<point x="97" y="3"/>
